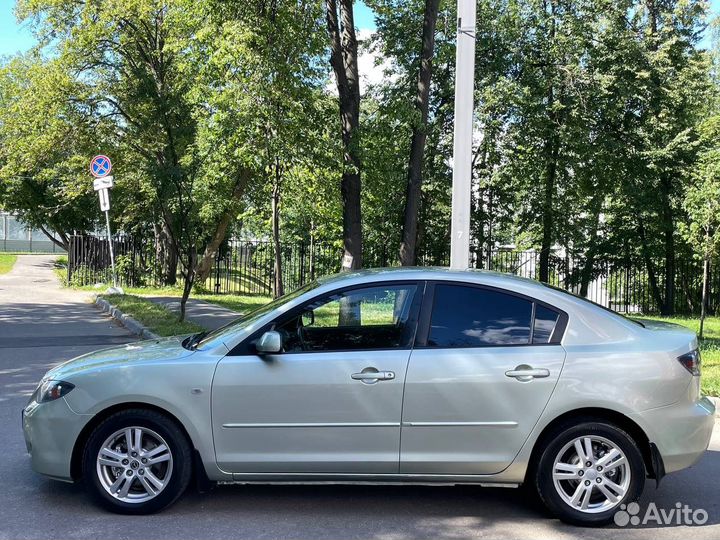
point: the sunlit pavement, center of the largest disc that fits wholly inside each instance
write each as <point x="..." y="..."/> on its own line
<point x="42" y="324"/>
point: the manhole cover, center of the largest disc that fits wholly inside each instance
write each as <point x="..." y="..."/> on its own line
<point x="40" y="280"/>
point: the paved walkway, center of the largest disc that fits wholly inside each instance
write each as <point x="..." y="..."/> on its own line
<point x="209" y="316"/>
<point x="43" y="323"/>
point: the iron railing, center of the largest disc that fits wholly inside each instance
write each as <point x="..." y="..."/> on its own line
<point x="248" y="267"/>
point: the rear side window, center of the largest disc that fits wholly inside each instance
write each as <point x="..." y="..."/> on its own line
<point x="545" y="321"/>
<point x="475" y="317"/>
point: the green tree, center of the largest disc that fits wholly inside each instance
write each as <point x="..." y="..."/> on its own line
<point x="46" y="137"/>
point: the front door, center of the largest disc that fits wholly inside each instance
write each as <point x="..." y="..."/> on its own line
<point x="483" y="370"/>
<point x="331" y="401"/>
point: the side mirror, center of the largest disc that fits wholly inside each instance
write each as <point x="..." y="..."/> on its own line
<point x="269" y="343"/>
<point x="308" y="317"/>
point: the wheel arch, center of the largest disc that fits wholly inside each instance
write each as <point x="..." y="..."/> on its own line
<point x="99" y="417"/>
<point x="650" y="455"/>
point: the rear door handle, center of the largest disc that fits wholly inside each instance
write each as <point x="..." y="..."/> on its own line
<point x="372" y="375"/>
<point x="527" y="373"/>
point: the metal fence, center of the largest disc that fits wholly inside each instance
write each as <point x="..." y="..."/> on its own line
<point x="248" y="267"/>
<point x="16" y="236"/>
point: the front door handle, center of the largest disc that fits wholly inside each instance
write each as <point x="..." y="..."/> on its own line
<point x="524" y="373"/>
<point x="372" y="375"/>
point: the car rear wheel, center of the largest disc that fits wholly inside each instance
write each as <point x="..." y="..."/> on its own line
<point x="137" y="462"/>
<point x="587" y="471"/>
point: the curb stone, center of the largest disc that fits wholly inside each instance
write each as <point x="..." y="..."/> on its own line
<point x="716" y="402"/>
<point x="126" y="320"/>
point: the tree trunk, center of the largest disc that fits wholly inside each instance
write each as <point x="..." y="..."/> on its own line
<point x="408" y="245"/>
<point x="668" y="307"/>
<point x="553" y="149"/>
<point x="204" y="267"/>
<point x="165" y="255"/>
<point x="587" y="269"/>
<point x="188" y="284"/>
<point x="343" y="59"/>
<point x="312" y="250"/>
<point x="278" y="282"/>
<point x="649" y="266"/>
<point x="62" y="242"/>
<point x="705" y="288"/>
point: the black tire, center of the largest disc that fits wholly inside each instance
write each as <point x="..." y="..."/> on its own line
<point x="176" y="441"/>
<point x="542" y="472"/>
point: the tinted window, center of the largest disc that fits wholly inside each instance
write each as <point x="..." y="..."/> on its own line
<point x="359" y="319"/>
<point x="475" y="317"/>
<point x="545" y="321"/>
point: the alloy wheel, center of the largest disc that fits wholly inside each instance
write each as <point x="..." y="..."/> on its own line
<point x="591" y="474"/>
<point x="134" y="464"/>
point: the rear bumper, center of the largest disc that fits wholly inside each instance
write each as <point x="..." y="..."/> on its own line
<point x="51" y="430"/>
<point x="681" y="431"/>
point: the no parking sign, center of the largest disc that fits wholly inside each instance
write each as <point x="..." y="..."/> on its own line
<point x="100" y="166"/>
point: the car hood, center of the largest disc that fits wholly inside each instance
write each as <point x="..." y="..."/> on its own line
<point x="150" y="351"/>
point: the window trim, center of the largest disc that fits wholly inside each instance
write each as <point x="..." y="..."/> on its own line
<point x="247" y="346"/>
<point x="425" y="320"/>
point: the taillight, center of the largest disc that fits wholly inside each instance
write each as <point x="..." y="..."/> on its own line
<point x="691" y="361"/>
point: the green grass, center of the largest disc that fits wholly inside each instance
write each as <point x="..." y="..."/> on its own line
<point x="239" y="303"/>
<point x="155" y="317"/>
<point x="709" y="349"/>
<point x="7" y="261"/>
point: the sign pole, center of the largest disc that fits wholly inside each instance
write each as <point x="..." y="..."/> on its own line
<point x="462" y="137"/>
<point x="100" y="167"/>
<point x="110" y="244"/>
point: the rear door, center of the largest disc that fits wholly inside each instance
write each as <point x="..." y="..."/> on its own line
<point x="483" y="368"/>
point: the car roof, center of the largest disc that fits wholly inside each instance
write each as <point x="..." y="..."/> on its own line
<point x="430" y="273"/>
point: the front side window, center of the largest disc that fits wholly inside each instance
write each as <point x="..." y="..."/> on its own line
<point x="475" y="317"/>
<point x="357" y="319"/>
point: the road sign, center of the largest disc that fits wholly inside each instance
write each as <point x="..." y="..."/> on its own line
<point x="100" y="166"/>
<point x="104" y="199"/>
<point x="104" y="182"/>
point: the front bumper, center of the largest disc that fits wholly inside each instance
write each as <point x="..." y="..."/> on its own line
<point x="51" y="430"/>
<point x="681" y="431"/>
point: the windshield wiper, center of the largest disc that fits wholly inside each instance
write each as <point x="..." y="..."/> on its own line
<point x="192" y="342"/>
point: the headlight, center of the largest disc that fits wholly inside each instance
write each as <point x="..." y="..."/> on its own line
<point x="52" y="390"/>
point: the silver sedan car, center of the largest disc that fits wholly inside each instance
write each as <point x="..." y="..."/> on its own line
<point x="404" y="375"/>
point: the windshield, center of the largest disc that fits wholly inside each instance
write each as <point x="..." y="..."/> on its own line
<point x="252" y="316"/>
<point x="594" y="304"/>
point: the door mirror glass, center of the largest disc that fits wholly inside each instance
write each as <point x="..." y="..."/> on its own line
<point x="270" y="342"/>
<point x="308" y="317"/>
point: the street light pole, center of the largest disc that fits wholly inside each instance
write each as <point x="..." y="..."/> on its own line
<point x="462" y="137"/>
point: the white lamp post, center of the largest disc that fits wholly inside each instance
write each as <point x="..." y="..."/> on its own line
<point x="462" y="139"/>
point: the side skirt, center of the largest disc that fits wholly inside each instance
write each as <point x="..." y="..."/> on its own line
<point x="362" y="479"/>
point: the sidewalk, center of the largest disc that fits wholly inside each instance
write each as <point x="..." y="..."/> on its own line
<point x="209" y="316"/>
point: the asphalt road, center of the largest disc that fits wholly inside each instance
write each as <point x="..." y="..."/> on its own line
<point x="42" y="324"/>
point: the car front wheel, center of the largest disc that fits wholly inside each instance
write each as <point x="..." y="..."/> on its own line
<point x="137" y="462"/>
<point x="587" y="471"/>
